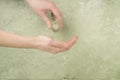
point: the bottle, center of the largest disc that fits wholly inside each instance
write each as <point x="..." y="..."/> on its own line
<point x="55" y="27"/>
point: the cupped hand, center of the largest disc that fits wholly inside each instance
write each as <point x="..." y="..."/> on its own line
<point x="50" y="45"/>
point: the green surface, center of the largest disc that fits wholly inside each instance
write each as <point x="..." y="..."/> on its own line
<point x="95" y="56"/>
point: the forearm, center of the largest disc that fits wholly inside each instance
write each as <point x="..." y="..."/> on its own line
<point x="15" y="41"/>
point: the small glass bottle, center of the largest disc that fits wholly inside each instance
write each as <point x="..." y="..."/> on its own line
<point x="55" y="27"/>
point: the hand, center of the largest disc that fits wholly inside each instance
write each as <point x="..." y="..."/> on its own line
<point x="41" y="42"/>
<point x="41" y="7"/>
<point x="48" y="44"/>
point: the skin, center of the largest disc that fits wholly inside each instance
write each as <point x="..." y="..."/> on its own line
<point x="41" y="7"/>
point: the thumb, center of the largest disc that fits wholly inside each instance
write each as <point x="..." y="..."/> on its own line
<point x="46" y="19"/>
<point x="72" y="41"/>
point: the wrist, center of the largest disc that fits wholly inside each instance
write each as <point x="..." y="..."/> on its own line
<point x="31" y="42"/>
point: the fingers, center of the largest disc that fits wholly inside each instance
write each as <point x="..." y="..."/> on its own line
<point x="52" y="46"/>
<point x="53" y="50"/>
<point x="64" y="46"/>
<point x="57" y="44"/>
<point x="46" y="19"/>
<point x="72" y="41"/>
<point x="58" y="16"/>
<point x="69" y="43"/>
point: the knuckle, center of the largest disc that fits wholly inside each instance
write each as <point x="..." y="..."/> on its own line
<point x="51" y="4"/>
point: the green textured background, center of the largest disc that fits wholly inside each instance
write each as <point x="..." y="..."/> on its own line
<point x="95" y="56"/>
